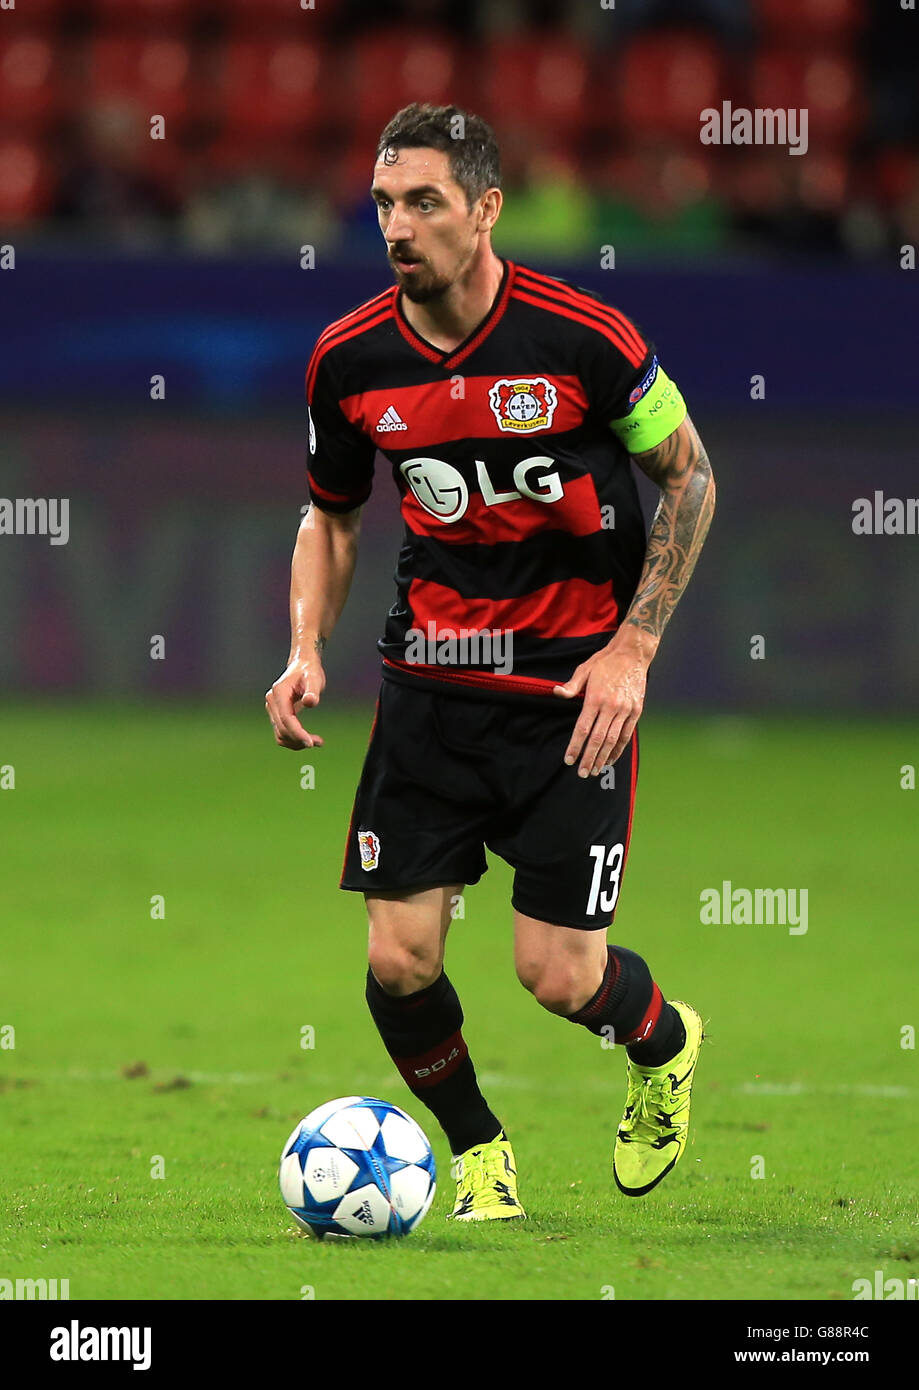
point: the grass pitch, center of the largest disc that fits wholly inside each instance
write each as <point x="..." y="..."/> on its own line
<point x="157" y="1065"/>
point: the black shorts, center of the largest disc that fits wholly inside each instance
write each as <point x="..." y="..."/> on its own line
<point x="445" y="775"/>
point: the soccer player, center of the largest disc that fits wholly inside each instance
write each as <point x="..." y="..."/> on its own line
<point x="529" y="604"/>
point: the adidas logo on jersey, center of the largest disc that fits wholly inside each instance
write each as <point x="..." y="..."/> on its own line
<point x="390" y="420"/>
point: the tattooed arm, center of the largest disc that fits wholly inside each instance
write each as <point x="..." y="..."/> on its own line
<point x="680" y="468"/>
<point x="613" y="680"/>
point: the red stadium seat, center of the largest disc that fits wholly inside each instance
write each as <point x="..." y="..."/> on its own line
<point x="270" y="86"/>
<point x="297" y="162"/>
<point x="542" y="80"/>
<point x="800" y="22"/>
<point x="26" y="186"/>
<point x="30" y="91"/>
<point x="826" y="84"/>
<point x="389" y="69"/>
<point x="823" y="182"/>
<point x="895" y="175"/>
<point x="658" y="171"/>
<point x="666" y="80"/>
<point x="345" y="171"/>
<point x="153" y="71"/>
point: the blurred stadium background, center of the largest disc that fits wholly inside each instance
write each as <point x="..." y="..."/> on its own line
<point x="182" y="257"/>
<point x="271" y="110"/>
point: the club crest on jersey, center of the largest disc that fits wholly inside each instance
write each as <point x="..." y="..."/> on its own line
<point x="523" y="404"/>
<point x="369" y="846"/>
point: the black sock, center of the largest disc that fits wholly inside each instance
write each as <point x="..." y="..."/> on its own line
<point x="421" y="1033"/>
<point x="668" y="1038"/>
<point x="630" y="1009"/>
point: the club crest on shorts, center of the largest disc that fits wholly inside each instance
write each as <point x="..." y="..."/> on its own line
<point x="523" y="403"/>
<point x="369" y="845"/>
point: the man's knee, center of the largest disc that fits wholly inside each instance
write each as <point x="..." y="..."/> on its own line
<point x="402" y="963"/>
<point x="402" y="972"/>
<point x="562" y="987"/>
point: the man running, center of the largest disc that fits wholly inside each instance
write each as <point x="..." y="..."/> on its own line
<point x="530" y="603"/>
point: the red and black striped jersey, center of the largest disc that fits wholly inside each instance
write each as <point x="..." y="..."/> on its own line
<point x="523" y="535"/>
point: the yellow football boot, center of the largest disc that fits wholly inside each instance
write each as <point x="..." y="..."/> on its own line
<point x="655" y="1124"/>
<point x="486" y="1183"/>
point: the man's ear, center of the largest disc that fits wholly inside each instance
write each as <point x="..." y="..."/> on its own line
<point x="491" y="207"/>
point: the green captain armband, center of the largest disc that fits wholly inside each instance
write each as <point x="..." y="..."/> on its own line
<point x="657" y="412"/>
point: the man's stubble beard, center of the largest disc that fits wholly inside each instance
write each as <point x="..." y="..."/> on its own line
<point x="436" y="288"/>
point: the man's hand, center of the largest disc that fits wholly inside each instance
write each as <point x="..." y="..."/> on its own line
<point x="613" y="681"/>
<point x="298" y="688"/>
<point x="320" y="576"/>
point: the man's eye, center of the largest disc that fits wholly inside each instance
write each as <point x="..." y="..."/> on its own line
<point x="425" y="205"/>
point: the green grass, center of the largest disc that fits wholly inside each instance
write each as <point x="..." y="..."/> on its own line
<point x="113" y="805"/>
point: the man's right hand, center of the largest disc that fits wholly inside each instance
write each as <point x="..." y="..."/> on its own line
<point x="298" y="688"/>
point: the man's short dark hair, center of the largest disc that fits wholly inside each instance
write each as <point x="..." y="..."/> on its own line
<point x="468" y="140"/>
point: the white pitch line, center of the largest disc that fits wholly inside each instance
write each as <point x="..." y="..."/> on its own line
<point x="496" y="1080"/>
<point x="798" y="1088"/>
<point x="750" y="1088"/>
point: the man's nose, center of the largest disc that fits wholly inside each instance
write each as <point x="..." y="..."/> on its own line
<point x="398" y="228"/>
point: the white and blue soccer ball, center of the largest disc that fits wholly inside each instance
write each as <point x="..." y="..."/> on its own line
<point x="357" y="1167"/>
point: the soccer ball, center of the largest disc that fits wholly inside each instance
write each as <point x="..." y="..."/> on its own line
<point x="357" y="1167"/>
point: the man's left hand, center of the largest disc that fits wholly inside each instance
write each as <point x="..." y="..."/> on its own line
<point x="613" y="683"/>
